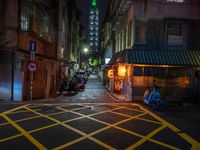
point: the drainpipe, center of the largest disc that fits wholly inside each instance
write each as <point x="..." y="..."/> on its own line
<point x="12" y="75"/>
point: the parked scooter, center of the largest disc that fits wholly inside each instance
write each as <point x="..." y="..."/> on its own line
<point x="153" y="98"/>
<point x="80" y="83"/>
<point x="72" y="87"/>
<point x="76" y="84"/>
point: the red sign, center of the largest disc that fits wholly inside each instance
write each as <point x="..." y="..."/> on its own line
<point x="32" y="66"/>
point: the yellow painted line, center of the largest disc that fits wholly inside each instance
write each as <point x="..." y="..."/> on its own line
<point x="141" y="136"/>
<point x="120" y="114"/>
<point x="10" y="138"/>
<point x="95" y="132"/>
<point x="25" y="133"/>
<point x="88" y="115"/>
<point x="73" y="109"/>
<point x="42" y="128"/>
<point x="128" y="131"/>
<point x="114" y="125"/>
<point x="144" y="139"/>
<point x="102" y="143"/>
<point x="38" y="129"/>
<point x="35" y="130"/>
<point x="14" y="109"/>
<point x="59" y="122"/>
<point x="164" y="144"/>
<point x="69" y="144"/>
<point x="134" y="109"/>
<point x="34" y="117"/>
<point x="84" y="116"/>
<point x="22" y="111"/>
<point x="3" y="124"/>
<point x="152" y="121"/>
<point x="84" y="137"/>
<point x="195" y="144"/>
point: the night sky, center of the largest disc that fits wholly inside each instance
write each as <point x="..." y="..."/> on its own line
<point x="84" y="6"/>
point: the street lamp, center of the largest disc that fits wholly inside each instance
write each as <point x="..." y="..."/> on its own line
<point x="85" y="49"/>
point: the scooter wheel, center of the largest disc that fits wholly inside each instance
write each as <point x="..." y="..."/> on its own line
<point x="155" y="105"/>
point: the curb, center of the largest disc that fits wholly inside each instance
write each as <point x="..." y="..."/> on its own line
<point x="33" y="101"/>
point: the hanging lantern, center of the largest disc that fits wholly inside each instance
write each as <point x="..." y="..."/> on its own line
<point x="110" y="73"/>
<point x="121" y="70"/>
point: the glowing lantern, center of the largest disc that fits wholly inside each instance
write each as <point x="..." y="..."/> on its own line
<point x="121" y="70"/>
<point x="110" y="73"/>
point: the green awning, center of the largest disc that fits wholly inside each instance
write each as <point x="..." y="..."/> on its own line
<point x="157" y="57"/>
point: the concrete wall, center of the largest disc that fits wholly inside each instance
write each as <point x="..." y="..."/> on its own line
<point x="10" y="22"/>
<point x="156" y="35"/>
<point x="155" y="16"/>
<point x="162" y="9"/>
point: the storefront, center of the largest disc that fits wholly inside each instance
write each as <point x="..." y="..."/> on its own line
<point x="172" y="71"/>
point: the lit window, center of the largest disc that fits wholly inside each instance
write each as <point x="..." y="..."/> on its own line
<point x="24" y="24"/>
<point x="176" y="1"/>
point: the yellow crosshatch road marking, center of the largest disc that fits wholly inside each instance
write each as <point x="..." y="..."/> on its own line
<point x="14" y="109"/>
<point x="24" y="132"/>
<point x="21" y="111"/>
<point x="59" y="122"/>
<point x="194" y="143"/>
<point x="100" y="130"/>
<point x="147" y="120"/>
<point x="60" y="106"/>
<point x="146" y="138"/>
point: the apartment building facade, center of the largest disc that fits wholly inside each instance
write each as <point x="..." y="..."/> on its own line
<point x="151" y="27"/>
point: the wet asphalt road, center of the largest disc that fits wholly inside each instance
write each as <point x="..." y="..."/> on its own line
<point x="92" y="119"/>
<point x="94" y="92"/>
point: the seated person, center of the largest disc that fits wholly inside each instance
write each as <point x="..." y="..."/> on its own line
<point x="154" y="94"/>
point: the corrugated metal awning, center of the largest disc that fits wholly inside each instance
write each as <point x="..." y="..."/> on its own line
<point x="157" y="57"/>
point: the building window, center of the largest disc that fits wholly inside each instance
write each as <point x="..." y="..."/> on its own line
<point x="174" y="34"/>
<point x="140" y="32"/>
<point x="25" y="23"/>
<point x="35" y="19"/>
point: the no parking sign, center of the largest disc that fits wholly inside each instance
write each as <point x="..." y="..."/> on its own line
<point x="32" y="66"/>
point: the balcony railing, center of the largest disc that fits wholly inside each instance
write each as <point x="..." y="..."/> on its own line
<point x="118" y="16"/>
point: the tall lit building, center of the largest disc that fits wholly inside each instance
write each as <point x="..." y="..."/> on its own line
<point x="93" y="36"/>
